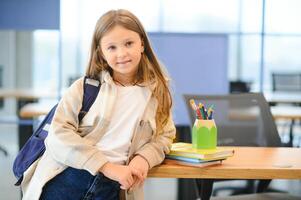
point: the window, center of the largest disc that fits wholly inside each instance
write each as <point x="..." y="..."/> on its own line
<point x="241" y="20"/>
<point x="283" y="16"/>
<point x="46" y="60"/>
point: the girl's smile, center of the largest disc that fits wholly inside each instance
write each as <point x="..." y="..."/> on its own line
<point x="123" y="62"/>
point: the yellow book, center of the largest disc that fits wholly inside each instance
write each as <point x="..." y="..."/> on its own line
<point x="186" y="150"/>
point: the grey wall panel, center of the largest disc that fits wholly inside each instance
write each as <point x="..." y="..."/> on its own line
<point x="29" y="14"/>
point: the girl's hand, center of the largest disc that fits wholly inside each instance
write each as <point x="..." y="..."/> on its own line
<point x="140" y="164"/>
<point x="120" y="173"/>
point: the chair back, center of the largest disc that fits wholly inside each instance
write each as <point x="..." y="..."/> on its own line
<point x="286" y="82"/>
<point x="239" y="87"/>
<point x="242" y="119"/>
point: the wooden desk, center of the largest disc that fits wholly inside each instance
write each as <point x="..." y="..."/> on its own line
<point x="286" y="112"/>
<point x="28" y="94"/>
<point x="283" y="97"/>
<point x="279" y="112"/>
<point x="247" y="163"/>
<point x="33" y="110"/>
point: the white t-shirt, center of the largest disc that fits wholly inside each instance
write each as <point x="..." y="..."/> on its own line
<point x="128" y="109"/>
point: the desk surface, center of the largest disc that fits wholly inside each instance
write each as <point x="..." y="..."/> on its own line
<point x="26" y="94"/>
<point x="36" y="109"/>
<point x="283" y="97"/>
<point x="32" y="110"/>
<point x="247" y="163"/>
<point x="278" y="112"/>
<point x="286" y="112"/>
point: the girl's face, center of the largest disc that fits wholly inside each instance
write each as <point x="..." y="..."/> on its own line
<point x="122" y="50"/>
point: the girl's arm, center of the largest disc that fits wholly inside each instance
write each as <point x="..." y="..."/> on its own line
<point x="64" y="143"/>
<point x="154" y="151"/>
<point x="121" y="173"/>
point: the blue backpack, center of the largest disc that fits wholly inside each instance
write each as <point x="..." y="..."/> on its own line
<point x="34" y="148"/>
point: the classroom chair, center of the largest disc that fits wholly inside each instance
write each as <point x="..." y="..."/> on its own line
<point x="242" y="119"/>
<point x="287" y="82"/>
<point x="239" y="87"/>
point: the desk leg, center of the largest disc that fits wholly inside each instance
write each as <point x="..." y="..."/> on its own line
<point x="205" y="188"/>
<point x="24" y="131"/>
<point x="291" y="134"/>
<point x="263" y="185"/>
<point x="188" y="189"/>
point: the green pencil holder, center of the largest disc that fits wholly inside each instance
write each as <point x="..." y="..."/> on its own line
<point x="204" y="134"/>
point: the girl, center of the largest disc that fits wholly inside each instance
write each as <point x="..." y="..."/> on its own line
<point x="127" y="130"/>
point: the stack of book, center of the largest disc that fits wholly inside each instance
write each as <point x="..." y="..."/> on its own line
<point x="183" y="154"/>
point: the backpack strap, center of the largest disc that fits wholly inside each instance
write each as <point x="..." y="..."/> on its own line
<point x="91" y="89"/>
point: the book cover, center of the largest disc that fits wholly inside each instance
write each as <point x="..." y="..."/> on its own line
<point x="192" y="160"/>
<point x="202" y="164"/>
<point x="186" y="150"/>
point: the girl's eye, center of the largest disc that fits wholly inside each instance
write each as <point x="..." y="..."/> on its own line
<point x="111" y="48"/>
<point x="129" y="43"/>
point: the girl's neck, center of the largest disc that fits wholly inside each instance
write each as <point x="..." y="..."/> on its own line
<point x="124" y="80"/>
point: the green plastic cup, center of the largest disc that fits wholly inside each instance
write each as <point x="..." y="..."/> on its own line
<point x="204" y="134"/>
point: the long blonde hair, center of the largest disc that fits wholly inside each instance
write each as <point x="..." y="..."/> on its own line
<point x="149" y="69"/>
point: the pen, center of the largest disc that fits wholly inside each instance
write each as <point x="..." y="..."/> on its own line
<point x="194" y="107"/>
<point x="203" y="111"/>
<point x="210" y="112"/>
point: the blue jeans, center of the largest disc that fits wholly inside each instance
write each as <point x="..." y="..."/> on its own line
<point x="75" y="184"/>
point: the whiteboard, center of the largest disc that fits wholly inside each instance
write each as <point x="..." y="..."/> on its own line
<point x="197" y="64"/>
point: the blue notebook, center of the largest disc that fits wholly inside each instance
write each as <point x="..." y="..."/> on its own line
<point x="191" y="160"/>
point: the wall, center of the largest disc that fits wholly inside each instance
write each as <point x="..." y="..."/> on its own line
<point x="29" y="14"/>
<point x="197" y="64"/>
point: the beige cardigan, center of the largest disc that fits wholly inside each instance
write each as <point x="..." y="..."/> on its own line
<point x="72" y="144"/>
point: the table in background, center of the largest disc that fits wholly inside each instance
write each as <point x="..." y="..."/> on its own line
<point x="35" y="110"/>
<point x="283" y="97"/>
<point x="279" y="99"/>
<point x="23" y="97"/>
<point x="291" y="113"/>
<point x="286" y="112"/>
<point x="247" y="163"/>
<point x="26" y="94"/>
